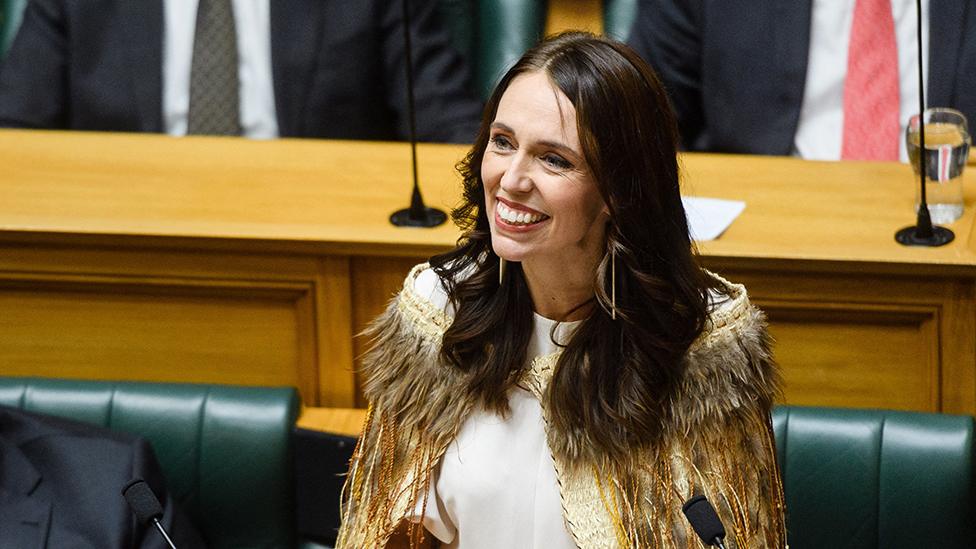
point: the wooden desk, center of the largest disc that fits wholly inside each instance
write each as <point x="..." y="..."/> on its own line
<point x="227" y="260"/>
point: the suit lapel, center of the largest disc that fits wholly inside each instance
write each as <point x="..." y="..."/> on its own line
<point x="947" y="19"/>
<point x="24" y="523"/>
<point x="25" y="515"/>
<point x="144" y="42"/>
<point x="791" y="43"/>
<point x="296" y="32"/>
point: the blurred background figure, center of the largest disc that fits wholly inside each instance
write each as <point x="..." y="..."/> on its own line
<point x="814" y="78"/>
<point x="258" y="68"/>
<point x="61" y="486"/>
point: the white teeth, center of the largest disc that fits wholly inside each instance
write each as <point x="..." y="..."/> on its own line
<point x="517" y="218"/>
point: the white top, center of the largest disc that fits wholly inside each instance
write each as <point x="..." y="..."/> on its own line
<point x="496" y="484"/>
<point x="252" y="19"/>
<point x="820" y="131"/>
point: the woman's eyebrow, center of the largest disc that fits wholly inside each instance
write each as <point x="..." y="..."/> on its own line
<point x="560" y="146"/>
<point x="502" y="126"/>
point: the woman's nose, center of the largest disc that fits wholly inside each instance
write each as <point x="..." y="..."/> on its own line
<point x="517" y="177"/>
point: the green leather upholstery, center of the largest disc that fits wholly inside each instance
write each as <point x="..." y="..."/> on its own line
<point x="225" y="449"/>
<point x="618" y="18"/>
<point x="876" y="479"/>
<point x="493" y="34"/>
<point x="11" y="12"/>
<point x="506" y="29"/>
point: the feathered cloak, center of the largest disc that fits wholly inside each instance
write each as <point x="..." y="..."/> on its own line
<point x="717" y="441"/>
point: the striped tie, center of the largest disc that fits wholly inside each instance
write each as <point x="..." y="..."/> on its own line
<point x="871" y="103"/>
<point x="214" y="103"/>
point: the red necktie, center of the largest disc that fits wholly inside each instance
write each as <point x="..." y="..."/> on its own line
<point x="871" y="104"/>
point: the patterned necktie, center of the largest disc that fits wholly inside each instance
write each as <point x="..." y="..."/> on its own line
<point x="871" y="103"/>
<point x="214" y="102"/>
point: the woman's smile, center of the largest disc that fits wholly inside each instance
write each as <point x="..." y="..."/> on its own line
<point x="517" y="217"/>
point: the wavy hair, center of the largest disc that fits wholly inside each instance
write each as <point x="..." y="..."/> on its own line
<point x="614" y="377"/>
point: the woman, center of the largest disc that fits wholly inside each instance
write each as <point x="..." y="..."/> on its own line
<point x="568" y="375"/>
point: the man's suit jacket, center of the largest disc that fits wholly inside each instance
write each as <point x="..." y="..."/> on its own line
<point x="61" y="483"/>
<point x="735" y="69"/>
<point x="338" y="69"/>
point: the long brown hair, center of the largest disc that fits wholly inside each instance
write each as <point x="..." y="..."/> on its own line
<point x="614" y="377"/>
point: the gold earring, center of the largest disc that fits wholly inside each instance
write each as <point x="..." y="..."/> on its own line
<point x="501" y="270"/>
<point x="613" y="285"/>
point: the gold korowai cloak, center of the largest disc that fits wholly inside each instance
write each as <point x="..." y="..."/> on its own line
<point x="717" y="441"/>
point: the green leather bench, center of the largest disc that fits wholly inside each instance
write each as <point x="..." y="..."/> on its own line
<point x="854" y="479"/>
<point x="493" y="34"/>
<point x="618" y="18"/>
<point x="226" y="450"/>
<point x="870" y="479"/>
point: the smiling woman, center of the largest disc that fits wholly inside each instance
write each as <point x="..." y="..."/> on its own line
<point x="544" y="208"/>
<point x="569" y="375"/>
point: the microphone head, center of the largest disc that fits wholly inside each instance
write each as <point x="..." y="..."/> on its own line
<point x="704" y="520"/>
<point x="142" y="501"/>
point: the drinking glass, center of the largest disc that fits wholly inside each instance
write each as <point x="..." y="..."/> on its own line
<point x="946" y="151"/>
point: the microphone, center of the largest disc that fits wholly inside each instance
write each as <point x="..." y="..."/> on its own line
<point x="418" y="214"/>
<point x="705" y="521"/>
<point x="923" y="233"/>
<point x="145" y="506"/>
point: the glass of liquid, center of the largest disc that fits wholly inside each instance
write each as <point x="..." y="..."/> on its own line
<point x="946" y="151"/>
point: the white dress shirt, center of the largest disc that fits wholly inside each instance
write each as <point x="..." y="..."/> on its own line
<point x="496" y="484"/>
<point x="252" y="19"/>
<point x="821" y="127"/>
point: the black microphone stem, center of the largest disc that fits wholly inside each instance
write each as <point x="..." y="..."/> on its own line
<point x="922" y="233"/>
<point x="923" y="226"/>
<point x="418" y="214"/>
<point x="411" y="115"/>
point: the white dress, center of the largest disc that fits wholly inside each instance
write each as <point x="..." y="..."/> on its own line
<point x="496" y="484"/>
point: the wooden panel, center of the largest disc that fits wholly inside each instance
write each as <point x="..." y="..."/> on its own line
<point x="376" y="281"/>
<point x="300" y="255"/>
<point x="169" y="316"/>
<point x="335" y="377"/>
<point x="343" y="421"/>
<point x="575" y="15"/>
<point x="836" y="354"/>
<point x="153" y="332"/>
<point x="959" y="350"/>
<point x="869" y="341"/>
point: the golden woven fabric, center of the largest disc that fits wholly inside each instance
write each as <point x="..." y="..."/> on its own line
<point x="717" y="441"/>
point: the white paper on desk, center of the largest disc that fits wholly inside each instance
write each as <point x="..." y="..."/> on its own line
<point x="709" y="217"/>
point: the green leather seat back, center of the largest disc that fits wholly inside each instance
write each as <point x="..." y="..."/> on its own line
<point x="618" y="18"/>
<point x="225" y="449"/>
<point x="868" y="479"/>
<point x="506" y="29"/>
<point x="11" y="12"/>
<point x="493" y="34"/>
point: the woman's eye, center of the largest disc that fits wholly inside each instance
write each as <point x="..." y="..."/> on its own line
<point x="501" y="142"/>
<point x="556" y="161"/>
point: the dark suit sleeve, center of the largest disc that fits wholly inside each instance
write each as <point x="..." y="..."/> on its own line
<point x="668" y="35"/>
<point x="33" y="74"/>
<point x="446" y="106"/>
<point x="180" y="529"/>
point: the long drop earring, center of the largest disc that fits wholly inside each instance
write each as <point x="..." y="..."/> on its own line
<point x="501" y="270"/>
<point x="613" y="284"/>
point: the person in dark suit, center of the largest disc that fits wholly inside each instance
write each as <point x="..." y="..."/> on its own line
<point x="739" y="71"/>
<point x="321" y="69"/>
<point x="61" y="482"/>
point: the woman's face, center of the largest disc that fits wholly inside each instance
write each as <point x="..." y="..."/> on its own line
<point x="541" y="200"/>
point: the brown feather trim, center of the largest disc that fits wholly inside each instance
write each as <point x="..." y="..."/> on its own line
<point x="419" y="403"/>
<point x="727" y="371"/>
